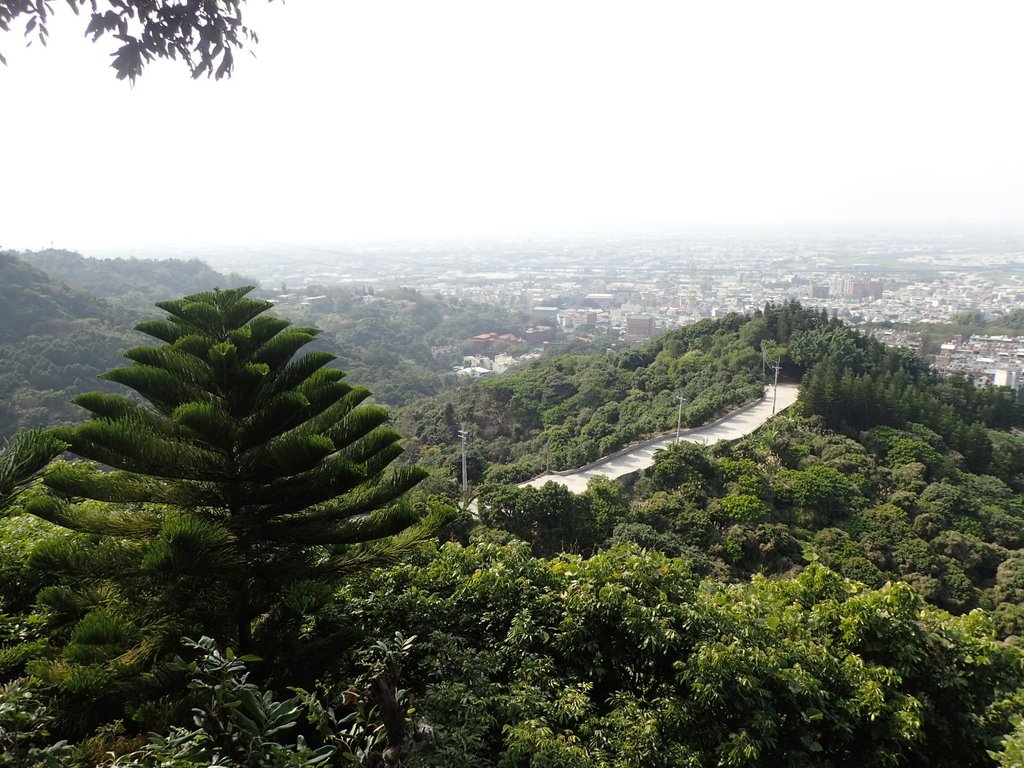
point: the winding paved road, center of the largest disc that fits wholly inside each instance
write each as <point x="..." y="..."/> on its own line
<point x="736" y="424"/>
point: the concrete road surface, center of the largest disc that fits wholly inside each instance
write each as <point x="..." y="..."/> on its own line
<point x="736" y="424"/>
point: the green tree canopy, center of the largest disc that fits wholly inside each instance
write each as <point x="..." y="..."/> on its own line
<point x="21" y="460"/>
<point x="626" y="659"/>
<point x="240" y="481"/>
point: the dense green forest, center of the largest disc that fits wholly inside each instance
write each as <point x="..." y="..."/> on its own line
<point x="567" y="410"/>
<point x="883" y="470"/>
<point x="67" y="318"/>
<point x="266" y="579"/>
<point x="400" y="343"/>
<point x="54" y="342"/>
<point x="136" y="283"/>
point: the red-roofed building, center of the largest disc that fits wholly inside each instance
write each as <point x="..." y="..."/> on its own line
<point x="483" y="340"/>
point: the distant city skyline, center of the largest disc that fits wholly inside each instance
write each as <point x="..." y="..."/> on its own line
<point x="455" y="120"/>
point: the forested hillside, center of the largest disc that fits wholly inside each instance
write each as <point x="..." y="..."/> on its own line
<point x="137" y="283"/>
<point x="567" y="410"/>
<point x="842" y="587"/>
<point x="35" y="304"/>
<point x="883" y="470"/>
<point x="399" y="342"/>
<point x="65" y="319"/>
<point x="893" y="504"/>
<point x="56" y="339"/>
<point x="54" y="342"/>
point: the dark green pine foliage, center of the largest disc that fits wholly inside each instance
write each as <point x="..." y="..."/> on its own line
<point x="226" y="499"/>
<point x="21" y="460"/>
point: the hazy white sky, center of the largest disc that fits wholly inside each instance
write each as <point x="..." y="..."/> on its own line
<point x="405" y="118"/>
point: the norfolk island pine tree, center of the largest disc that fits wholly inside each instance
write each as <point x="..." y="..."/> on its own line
<point x="226" y="500"/>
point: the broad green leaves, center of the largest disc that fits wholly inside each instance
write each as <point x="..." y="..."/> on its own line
<point x="625" y="659"/>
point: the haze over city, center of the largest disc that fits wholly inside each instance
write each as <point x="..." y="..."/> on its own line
<point x="401" y="121"/>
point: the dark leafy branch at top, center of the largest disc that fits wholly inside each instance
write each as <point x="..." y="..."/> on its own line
<point x="203" y="33"/>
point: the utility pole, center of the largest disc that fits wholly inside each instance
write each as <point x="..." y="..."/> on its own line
<point x="775" y="386"/>
<point x="679" y="417"/>
<point x="465" y="475"/>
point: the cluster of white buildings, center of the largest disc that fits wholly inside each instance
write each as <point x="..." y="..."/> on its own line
<point x="998" y="360"/>
<point x="480" y="366"/>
